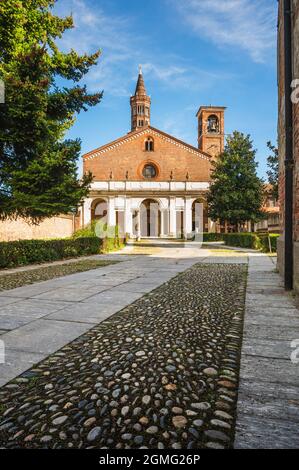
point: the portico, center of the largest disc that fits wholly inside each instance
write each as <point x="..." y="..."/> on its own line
<point x="149" y="209"/>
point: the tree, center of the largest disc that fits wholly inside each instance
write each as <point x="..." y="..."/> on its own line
<point x="236" y="192"/>
<point x="273" y="169"/>
<point x="38" y="166"/>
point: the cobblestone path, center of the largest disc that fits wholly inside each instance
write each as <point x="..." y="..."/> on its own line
<point x="161" y="373"/>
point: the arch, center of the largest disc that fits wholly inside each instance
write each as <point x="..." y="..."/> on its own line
<point x="99" y="209"/>
<point x="149" y="144"/>
<point x="150" y="218"/>
<point x="213" y="123"/>
<point x="200" y="215"/>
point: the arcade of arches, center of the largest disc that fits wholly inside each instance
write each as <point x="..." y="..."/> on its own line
<point x="153" y="217"/>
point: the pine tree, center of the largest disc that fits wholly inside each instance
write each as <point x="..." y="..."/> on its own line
<point x="236" y="192"/>
<point x="273" y="169"/>
<point x="38" y="166"/>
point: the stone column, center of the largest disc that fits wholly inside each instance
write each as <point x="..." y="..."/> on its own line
<point x="172" y="217"/>
<point x="138" y="226"/>
<point x="164" y="221"/>
<point x="187" y="217"/>
<point x="111" y="211"/>
<point x="87" y="211"/>
<point x="128" y="217"/>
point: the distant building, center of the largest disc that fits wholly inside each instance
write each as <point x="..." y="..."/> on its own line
<point x="148" y="182"/>
<point x="271" y="208"/>
<point x="288" y="129"/>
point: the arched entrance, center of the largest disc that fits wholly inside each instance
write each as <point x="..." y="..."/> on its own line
<point x="99" y="210"/>
<point x="200" y="216"/>
<point x="150" y="218"/>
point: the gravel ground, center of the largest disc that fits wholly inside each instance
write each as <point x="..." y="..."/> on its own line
<point x="30" y="276"/>
<point x="161" y="373"/>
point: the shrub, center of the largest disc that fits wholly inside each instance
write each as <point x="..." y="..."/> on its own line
<point x="22" y="252"/>
<point x="256" y="241"/>
<point x="212" y="237"/>
<point x="264" y="242"/>
<point x="98" y="228"/>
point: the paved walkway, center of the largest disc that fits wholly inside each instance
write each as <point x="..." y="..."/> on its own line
<point x="37" y="320"/>
<point x="161" y="373"/>
<point x="268" y="403"/>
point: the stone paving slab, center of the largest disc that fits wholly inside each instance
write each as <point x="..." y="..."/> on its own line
<point x="21" y="312"/>
<point x="269" y="369"/>
<point x="268" y="404"/>
<point x="266" y="433"/>
<point x="48" y="336"/>
<point x="274" y="402"/>
<point x="86" y="313"/>
<point x="261" y="331"/>
<point x="18" y="363"/>
<point x="272" y="348"/>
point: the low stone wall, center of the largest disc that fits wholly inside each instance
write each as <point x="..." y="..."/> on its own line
<point x="55" y="227"/>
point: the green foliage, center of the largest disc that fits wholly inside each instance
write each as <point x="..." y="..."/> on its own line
<point x="24" y="252"/>
<point x="38" y="168"/>
<point x="112" y="244"/>
<point x="212" y="237"/>
<point x="98" y="228"/>
<point x="273" y="169"/>
<point x="236" y="192"/>
<point x="87" y="231"/>
<point x="256" y="241"/>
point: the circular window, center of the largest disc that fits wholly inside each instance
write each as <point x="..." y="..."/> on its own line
<point x="149" y="171"/>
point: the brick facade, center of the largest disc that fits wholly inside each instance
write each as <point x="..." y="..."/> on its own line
<point x="148" y="167"/>
<point x="281" y="136"/>
<point x="125" y="158"/>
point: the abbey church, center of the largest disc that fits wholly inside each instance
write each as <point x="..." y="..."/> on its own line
<point x="148" y="182"/>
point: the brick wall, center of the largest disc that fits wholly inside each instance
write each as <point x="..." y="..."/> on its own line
<point x="296" y="121"/>
<point x="281" y="137"/>
<point x="56" y="227"/>
<point x="130" y="156"/>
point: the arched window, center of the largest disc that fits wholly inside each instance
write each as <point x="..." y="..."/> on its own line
<point x="213" y="123"/>
<point x="149" y="171"/>
<point x="149" y="144"/>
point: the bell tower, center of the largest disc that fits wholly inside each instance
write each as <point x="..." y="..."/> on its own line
<point x="211" y="129"/>
<point x="140" y="105"/>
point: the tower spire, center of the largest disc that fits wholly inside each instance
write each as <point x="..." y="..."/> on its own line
<point x="140" y="105"/>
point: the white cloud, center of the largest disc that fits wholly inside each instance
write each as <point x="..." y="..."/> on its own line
<point x="122" y="51"/>
<point x="249" y="25"/>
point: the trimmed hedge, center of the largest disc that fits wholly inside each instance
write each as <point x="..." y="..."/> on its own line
<point x="22" y="252"/>
<point x="256" y="241"/>
<point x="213" y="237"/>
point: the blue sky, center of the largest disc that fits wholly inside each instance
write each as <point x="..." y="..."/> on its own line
<point x="193" y="53"/>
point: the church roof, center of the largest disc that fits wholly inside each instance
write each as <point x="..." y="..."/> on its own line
<point x="149" y="130"/>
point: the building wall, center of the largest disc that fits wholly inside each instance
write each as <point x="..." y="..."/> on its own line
<point x="281" y="138"/>
<point x="125" y="160"/>
<point x="55" y="227"/>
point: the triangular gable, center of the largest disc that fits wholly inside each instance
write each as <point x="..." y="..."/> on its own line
<point x="145" y="131"/>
